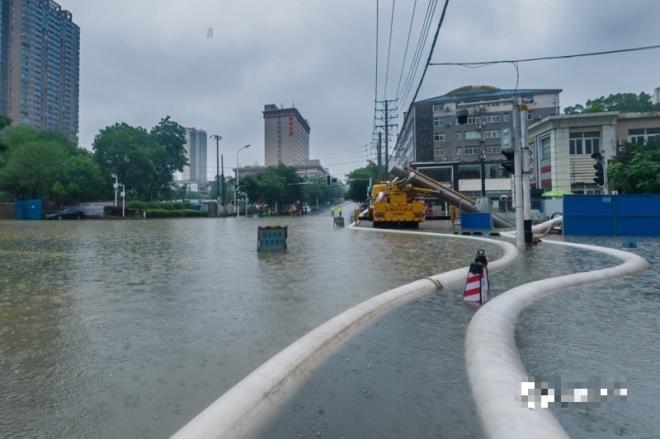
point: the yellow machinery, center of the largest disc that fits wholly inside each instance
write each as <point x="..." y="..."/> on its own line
<point x="397" y="204"/>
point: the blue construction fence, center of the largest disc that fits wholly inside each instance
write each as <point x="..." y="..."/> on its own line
<point x="29" y="209"/>
<point x="612" y="215"/>
<point x="476" y="221"/>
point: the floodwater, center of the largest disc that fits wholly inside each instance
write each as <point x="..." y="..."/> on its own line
<point x="120" y="329"/>
<point x="600" y="334"/>
<point x="405" y="375"/>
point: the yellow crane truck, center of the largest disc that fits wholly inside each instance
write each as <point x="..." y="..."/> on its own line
<point x="395" y="204"/>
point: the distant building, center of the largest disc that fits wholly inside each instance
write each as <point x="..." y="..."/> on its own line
<point x="312" y="168"/>
<point x="39" y="65"/>
<point x="563" y="145"/>
<point x="657" y="95"/>
<point x="196" y="152"/>
<point x="431" y="134"/>
<point x="286" y="136"/>
<point x="4" y="56"/>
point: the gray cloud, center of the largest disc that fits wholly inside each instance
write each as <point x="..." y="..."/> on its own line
<point x="143" y="60"/>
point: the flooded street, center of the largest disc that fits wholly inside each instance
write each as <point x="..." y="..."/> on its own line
<point x="129" y="329"/>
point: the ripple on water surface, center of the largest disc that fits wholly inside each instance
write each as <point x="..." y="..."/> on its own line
<point x="129" y="329"/>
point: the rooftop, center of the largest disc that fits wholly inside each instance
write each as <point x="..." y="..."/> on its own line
<point x="481" y="92"/>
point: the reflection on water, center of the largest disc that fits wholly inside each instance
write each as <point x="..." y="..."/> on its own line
<point x="129" y="329"/>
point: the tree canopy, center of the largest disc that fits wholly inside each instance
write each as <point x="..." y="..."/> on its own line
<point x="36" y="164"/>
<point x="358" y="182"/>
<point x="276" y="185"/>
<point x="144" y="161"/>
<point x="622" y="102"/>
<point x="636" y="170"/>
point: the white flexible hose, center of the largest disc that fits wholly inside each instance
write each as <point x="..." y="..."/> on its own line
<point x="495" y="370"/>
<point x="247" y="406"/>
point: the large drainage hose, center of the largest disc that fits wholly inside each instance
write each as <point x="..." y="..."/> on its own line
<point x="249" y="405"/>
<point x="494" y="367"/>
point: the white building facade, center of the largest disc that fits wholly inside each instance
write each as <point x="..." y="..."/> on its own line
<point x="196" y="151"/>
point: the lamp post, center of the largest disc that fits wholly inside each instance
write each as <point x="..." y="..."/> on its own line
<point x="123" y="200"/>
<point x="482" y="159"/>
<point x="237" y="180"/>
<point x="217" y="139"/>
<point x="115" y="186"/>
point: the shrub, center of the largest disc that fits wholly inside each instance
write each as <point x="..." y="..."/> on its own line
<point x="178" y="213"/>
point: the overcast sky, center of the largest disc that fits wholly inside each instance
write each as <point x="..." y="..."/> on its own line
<point x="142" y="60"/>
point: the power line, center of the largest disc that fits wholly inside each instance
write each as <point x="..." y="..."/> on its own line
<point x="405" y="53"/>
<point x="428" y="61"/>
<point x="421" y="42"/>
<point x="389" y="50"/>
<point x="477" y="64"/>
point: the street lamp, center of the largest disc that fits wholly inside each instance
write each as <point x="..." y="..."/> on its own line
<point x="482" y="159"/>
<point x="123" y="200"/>
<point x="217" y="139"/>
<point x="237" y="180"/>
<point x="115" y="186"/>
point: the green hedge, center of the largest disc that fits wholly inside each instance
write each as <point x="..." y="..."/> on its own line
<point x="179" y="213"/>
<point x="156" y="205"/>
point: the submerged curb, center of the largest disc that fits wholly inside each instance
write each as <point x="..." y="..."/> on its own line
<point x="247" y="406"/>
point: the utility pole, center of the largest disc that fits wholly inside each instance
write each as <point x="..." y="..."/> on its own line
<point x="386" y="119"/>
<point x="222" y="176"/>
<point x="217" y="139"/>
<point x="379" y="152"/>
<point x="526" y="181"/>
<point x="517" y="179"/>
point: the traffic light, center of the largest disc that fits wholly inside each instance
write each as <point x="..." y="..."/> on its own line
<point x="509" y="164"/>
<point x="599" y="179"/>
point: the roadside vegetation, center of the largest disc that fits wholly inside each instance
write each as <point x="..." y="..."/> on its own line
<point x="47" y="165"/>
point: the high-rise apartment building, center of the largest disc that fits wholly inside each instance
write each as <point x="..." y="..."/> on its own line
<point x="657" y="95"/>
<point x="197" y="156"/>
<point x="40" y="63"/>
<point x="286" y="136"/>
<point x="4" y="62"/>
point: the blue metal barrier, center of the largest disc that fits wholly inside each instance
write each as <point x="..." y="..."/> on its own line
<point x="476" y="221"/>
<point x="29" y="209"/>
<point x="612" y="215"/>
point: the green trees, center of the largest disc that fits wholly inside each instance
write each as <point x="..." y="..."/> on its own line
<point x="144" y="161"/>
<point x="358" y="182"/>
<point x="276" y="185"/>
<point x="636" y="170"/>
<point x="44" y="164"/>
<point x="624" y="102"/>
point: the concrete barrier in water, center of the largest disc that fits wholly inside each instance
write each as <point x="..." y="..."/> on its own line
<point x="249" y="405"/>
<point x="495" y="369"/>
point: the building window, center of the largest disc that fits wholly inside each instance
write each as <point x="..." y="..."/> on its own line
<point x="494" y="134"/>
<point x="641" y="136"/>
<point x="545" y="148"/>
<point x="440" y="137"/>
<point x="530" y="115"/>
<point x="472" y="120"/>
<point x="460" y="136"/>
<point x="436" y="123"/>
<point x="505" y="118"/>
<point x="584" y="143"/>
<point x="436" y="108"/>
